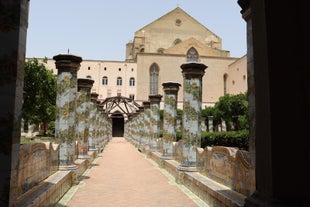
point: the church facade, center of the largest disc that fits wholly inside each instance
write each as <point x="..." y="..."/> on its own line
<point x="155" y="55"/>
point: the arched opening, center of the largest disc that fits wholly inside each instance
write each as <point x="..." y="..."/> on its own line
<point x="117" y="124"/>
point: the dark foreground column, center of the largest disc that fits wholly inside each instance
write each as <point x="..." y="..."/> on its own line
<point x="192" y="93"/>
<point x="13" y="33"/>
<point x="65" y="126"/>
<point x="282" y="154"/>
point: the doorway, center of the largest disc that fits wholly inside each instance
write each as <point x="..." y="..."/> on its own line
<point x="117" y="125"/>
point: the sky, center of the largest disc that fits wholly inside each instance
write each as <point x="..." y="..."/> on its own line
<point x="100" y="30"/>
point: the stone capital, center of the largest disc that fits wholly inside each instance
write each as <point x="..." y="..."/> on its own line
<point x="171" y="87"/>
<point x="155" y="98"/>
<point x="94" y="97"/>
<point x="193" y="69"/>
<point x="141" y="108"/>
<point x="65" y="62"/>
<point x="245" y="8"/>
<point x="85" y="84"/>
<point x="146" y="104"/>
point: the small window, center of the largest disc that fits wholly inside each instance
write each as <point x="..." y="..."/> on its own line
<point x="132" y="81"/>
<point x="132" y="96"/>
<point x="105" y="68"/>
<point x="88" y="68"/>
<point x="88" y="76"/>
<point x="104" y="80"/>
<point x="119" y="81"/>
<point x="177" y="41"/>
<point x="119" y="69"/>
<point x="160" y="50"/>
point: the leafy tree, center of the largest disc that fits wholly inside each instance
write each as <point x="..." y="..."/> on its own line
<point x="234" y="110"/>
<point x="211" y="111"/>
<point x="39" y="93"/>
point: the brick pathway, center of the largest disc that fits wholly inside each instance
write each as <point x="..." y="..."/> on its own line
<point x="123" y="177"/>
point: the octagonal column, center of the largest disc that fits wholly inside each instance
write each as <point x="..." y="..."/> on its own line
<point x="192" y="92"/>
<point x="92" y="121"/>
<point x="141" y="124"/>
<point x="82" y="115"/>
<point x="154" y="120"/>
<point x="146" y="126"/>
<point x="171" y="90"/>
<point x="98" y="125"/>
<point x="210" y="124"/>
<point x="65" y="126"/>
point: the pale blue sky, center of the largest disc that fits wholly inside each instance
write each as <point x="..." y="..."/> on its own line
<point x="99" y="30"/>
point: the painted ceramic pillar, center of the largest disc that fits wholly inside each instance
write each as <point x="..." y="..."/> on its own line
<point x="154" y="120"/>
<point x="146" y="127"/>
<point x="65" y="126"/>
<point x="92" y="121"/>
<point x="101" y="126"/>
<point x="82" y="115"/>
<point x="141" y="124"/>
<point x="192" y="94"/>
<point x="171" y="90"/>
<point x="210" y="123"/>
<point x="98" y="125"/>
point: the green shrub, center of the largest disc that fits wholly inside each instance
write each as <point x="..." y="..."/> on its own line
<point x="239" y="139"/>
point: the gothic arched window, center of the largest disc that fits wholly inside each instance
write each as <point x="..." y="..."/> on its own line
<point x="225" y="83"/>
<point x="154" y="71"/>
<point x="192" y="55"/>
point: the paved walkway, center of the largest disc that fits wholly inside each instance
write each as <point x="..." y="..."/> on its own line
<point x="123" y="177"/>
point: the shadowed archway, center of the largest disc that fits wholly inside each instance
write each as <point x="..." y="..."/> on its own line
<point x="117" y="124"/>
<point x="119" y="109"/>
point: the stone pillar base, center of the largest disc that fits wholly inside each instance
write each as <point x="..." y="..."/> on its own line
<point x="83" y="156"/>
<point x="162" y="160"/>
<point x="73" y="168"/>
<point x="183" y="168"/>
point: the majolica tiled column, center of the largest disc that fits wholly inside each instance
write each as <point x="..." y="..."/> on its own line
<point x="65" y="126"/>
<point x="98" y="125"/>
<point x="140" y="124"/>
<point x="171" y="90"/>
<point x="82" y="115"/>
<point x="146" y="127"/>
<point x="210" y="124"/>
<point x="192" y="94"/>
<point x="92" y="121"/>
<point x="154" y="121"/>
